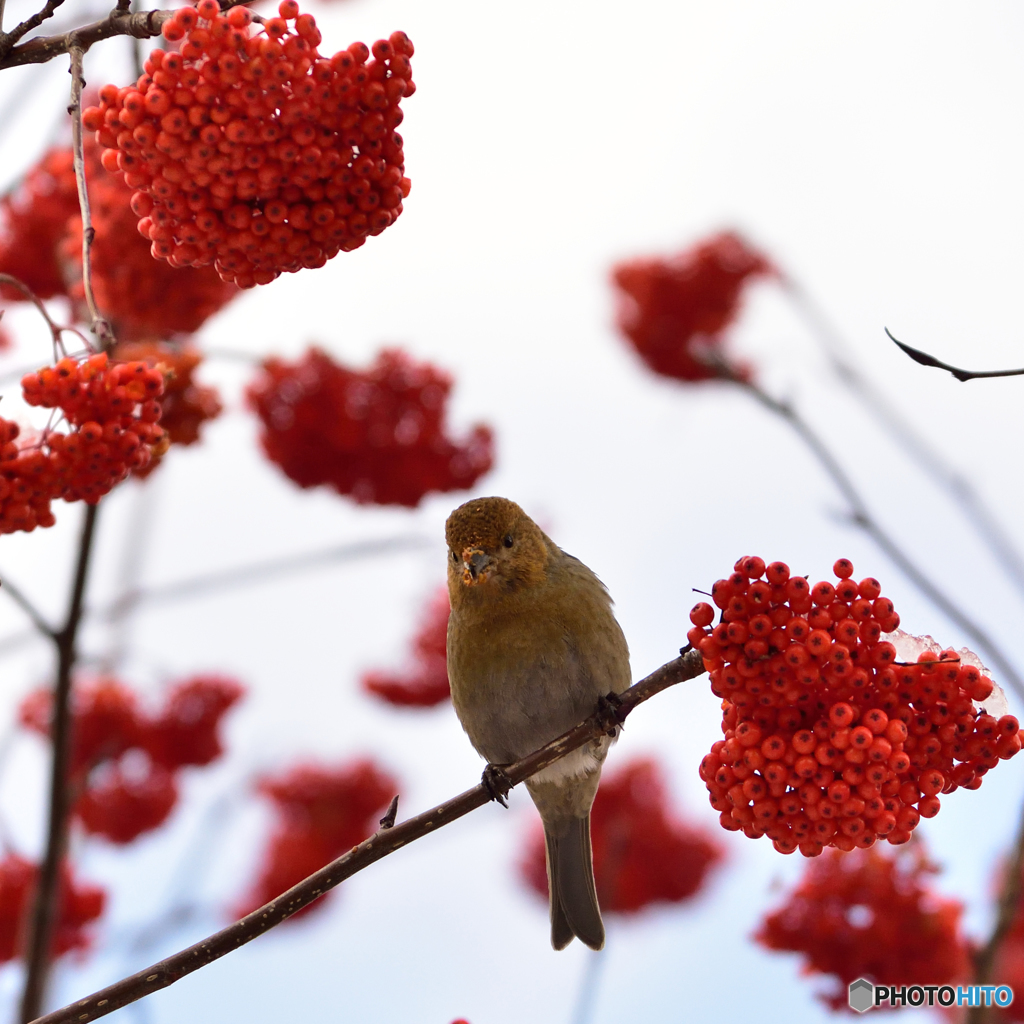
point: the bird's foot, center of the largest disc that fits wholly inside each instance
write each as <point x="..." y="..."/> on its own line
<point x="608" y="711"/>
<point x="497" y="783"/>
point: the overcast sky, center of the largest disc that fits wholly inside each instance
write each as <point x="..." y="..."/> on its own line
<point x="873" y="151"/>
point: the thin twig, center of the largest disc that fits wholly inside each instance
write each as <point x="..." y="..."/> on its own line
<point x="8" y="39"/>
<point x="918" y="447"/>
<point x="99" y="324"/>
<point x="382" y="843"/>
<point x="44" y="908"/>
<point x="18" y="596"/>
<point x="862" y="517"/>
<point x="962" y="375"/>
<point x="260" y="572"/>
<point x="142" y="24"/>
<point x="1006" y="914"/>
<point x="56" y="330"/>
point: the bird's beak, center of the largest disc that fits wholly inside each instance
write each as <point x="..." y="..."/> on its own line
<point x="475" y="563"/>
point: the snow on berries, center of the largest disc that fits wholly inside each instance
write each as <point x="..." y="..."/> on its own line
<point x="251" y="152"/>
<point x="674" y="310"/>
<point x="831" y="737"/>
<point x="873" y="915"/>
<point x="377" y="435"/>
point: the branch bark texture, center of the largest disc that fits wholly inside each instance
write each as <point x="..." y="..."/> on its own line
<point x="381" y="844"/>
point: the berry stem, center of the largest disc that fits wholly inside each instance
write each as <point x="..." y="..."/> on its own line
<point x="45" y="901"/>
<point x="100" y="327"/>
<point x="586" y="997"/>
<point x="382" y="843"/>
<point x="1006" y="913"/>
<point x="917" y="447"/>
<point x="862" y="517"/>
<point x="56" y="330"/>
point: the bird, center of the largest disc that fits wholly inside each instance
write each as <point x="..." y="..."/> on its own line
<point x="533" y="647"/>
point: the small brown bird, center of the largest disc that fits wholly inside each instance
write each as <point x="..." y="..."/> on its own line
<point x="532" y="647"/>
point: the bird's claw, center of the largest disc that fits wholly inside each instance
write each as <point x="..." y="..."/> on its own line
<point x="497" y="783"/>
<point x="608" y="708"/>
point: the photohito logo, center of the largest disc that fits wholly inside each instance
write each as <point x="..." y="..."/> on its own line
<point x="864" y="995"/>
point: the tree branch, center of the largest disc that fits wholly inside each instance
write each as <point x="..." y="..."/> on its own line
<point x="99" y="324"/>
<point x="259" y="572"/>
<point x="1006" y="914"/>
<point x="18" y="596"/>
<point x="44" y="909"/>
<point x="8" y="39"/>
<point x="926" y="360"/>
<point x="863" y="518"/>
<point x="142" y="25"/>
<point x="931" y="460"/>
<point x="382" y="843"/>
<point x="56" y="330"/>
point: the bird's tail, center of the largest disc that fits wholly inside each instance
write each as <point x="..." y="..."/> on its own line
<point x="574" y="907"/>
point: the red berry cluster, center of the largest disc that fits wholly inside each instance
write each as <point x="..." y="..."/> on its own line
<point x="643" y="853"/>
<point x="30" y="479"/>
<point x="321" y="813"/>
<point x="871" y="915"/>
<point x="250" y="151"/>
<point x="377" y="435"/>
<point x="33" y="221"/>
<point x="41" y="238"/>
<point x="674" y="310"/>
<point x="123" y="760"/>
<point x="185" y="404"/>
<point x="425" y="683"/>
<point x="112" y="409"/>
<point x="78" y="904"/>
<point x="829" y="739"/>
<point x="143" y="298"/>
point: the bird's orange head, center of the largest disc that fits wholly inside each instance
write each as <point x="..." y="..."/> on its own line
<point x="495" y="546"/>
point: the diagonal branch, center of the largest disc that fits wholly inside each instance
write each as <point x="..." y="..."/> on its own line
<point x="8" y="39"/>
<point x="20" y="598"/>
<point x="1006" y="914"/>
<point x="926" y="360"/>
<point x="862" y="517"/>
<point x="382" y="843"/>
<point x="918" y="446"/>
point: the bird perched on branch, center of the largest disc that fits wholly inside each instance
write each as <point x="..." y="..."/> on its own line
<point x="532" y="648"/>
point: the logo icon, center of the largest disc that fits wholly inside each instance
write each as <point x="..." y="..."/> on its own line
<point x="862" y="995"/>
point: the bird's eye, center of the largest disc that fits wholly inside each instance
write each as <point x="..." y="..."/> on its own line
<point x="508" y="540"/>
<point x="455" y="557"/>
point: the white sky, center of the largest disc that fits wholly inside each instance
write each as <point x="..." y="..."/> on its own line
<point x="874" y="151"/>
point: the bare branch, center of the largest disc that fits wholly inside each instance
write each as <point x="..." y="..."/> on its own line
<point x="926" y="360"/>
<point x="8" y="39"/>
<point x="1006" y="914"/>
<point x="862" y="517"/>
<point x="18" y="596"/>
<point x="261" y="572"/>
<point x="100" y="326"/>
<point x="142" y="25"/>
<point x="56" y="330"/>
<point x="44" y="909"/>
<point x="382" y="843"/>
